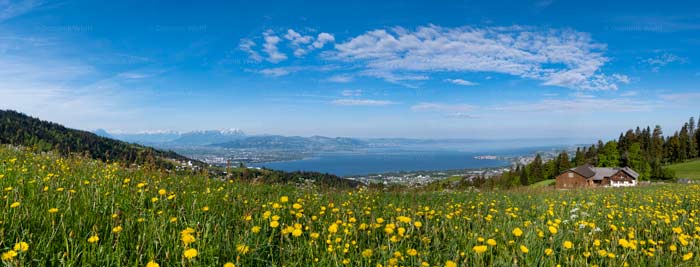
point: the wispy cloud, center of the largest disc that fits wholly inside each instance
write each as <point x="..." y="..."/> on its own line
<point x="300" y="44"/>
<point x="246" y="45"/>
<point x="11" y="9"/>
<point x="342" y="78"/>
<point x="361" y="102"/>
<point x="349" y="92"/>
<point x="564" y="58"/>
<point x="657" y="62"/>
<point x="270" y="47"/>
<point x="442" y="107"/>
<point x="279" y="71"/>
<point x="580" y="105"/>
<point x="681" y="97"/>
<point x="461" y="82"/>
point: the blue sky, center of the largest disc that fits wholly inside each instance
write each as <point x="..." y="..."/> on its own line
<point x="432" y="69"/>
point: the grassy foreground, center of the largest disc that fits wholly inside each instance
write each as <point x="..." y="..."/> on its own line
<point x="78" y="212"/>
<point x="690" y="169"/>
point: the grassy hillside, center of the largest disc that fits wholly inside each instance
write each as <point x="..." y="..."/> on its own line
<point x="690" y="169"/>
<point x="19" y="129"/>
<point x="78" y="212"/>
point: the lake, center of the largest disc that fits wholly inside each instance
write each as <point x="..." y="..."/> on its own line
<point x="345" y="164"/>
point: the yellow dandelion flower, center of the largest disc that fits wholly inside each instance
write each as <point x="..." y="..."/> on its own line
<point x="243" y="249"/>
<point x="296" y="232"/>
<point x="553" y="230"/>
<point x="53" y="210"/>
<point x="117" y="229"/>
<point x="21" y="247"/>
<point x="9" y="255"/>
<point x="152" y="264"/>
<point x="162" y="192"/>
<point x="14" y="205"/>
<point x="274" y="224"/>
<point x="93" y="239"/>
<point x="688" y="256"/>
<point x="367" y="253"/>
<point x="491" y="242"/>
<point x="229" y="264"/>
<point x="284" y="199"/>
<point x="205" y="208"/>
<point x="568" y="244"/>
<point x="517" y="232"/>
<point x="548" y="251"/>
<point x="255" y="229"/>
<point x="190" y="253"/>
<point x="412" y="252"/>
<point x="524" y="249"/>
<point x="450" y="264"/>
<point x="479" y="249"/>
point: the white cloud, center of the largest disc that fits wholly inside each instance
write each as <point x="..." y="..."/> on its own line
<point x="563" y="58"/>
<point x="349" y="92"/>
<point x="11" y="9"/>
<point x="343" y="78"/>
<point x="322" y="39"/>
<point x="460" y="115"/>
<point x="247" y="46"/>
<point x="297" y="40"/>
<point x="442" y="107"/>
<point x="281" y="71"/>
<point x="361" y="102"/>
<point x="657" y="62"/>
<point x="629" y="93"/>
<point x="579" y="105"/>
<point x="461" y="82"/>
<point x="270" y="47"/>
<point x="681" y="97"/>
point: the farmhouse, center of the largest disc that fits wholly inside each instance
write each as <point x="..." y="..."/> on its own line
<point x="589" y="176"/>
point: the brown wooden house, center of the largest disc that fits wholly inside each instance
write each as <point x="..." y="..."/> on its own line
<point x="589" y="176"/>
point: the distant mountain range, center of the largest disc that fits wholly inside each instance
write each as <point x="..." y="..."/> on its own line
<point x="278" y="142"/>
<point x="174" y="139"/>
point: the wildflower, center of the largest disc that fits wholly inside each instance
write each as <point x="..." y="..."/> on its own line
<point x="296" y="232"/>
<point x="162" y="192"/>
<point x="517" y="232"/>
<point x="417" y="224"/>
<point x="14" y="205"/>
<point x="9" y="255"/>
<point x="255" y="229"/>
<point x="524" y="249"/>
<point x="274" y="224"/>
<point x="672" y="248"/>
<point x="205" y="208"/>
<point x="677" y="230"/>
<point x="243" y="249"/>
<point x="491" y="242"/>
<point x="548" y="251"/>
<point x="117" y="229"/>
<point x="688" y="256"/>
<point x="187" y="239"/>
<point x="93" y="239"/>
<point x="284" y="199"/>
<point x="367" y="253"/>
<point x="190" y="253"/>
<point x="450" y="264"/>
<point x="53" y="210"/>
<point x="152" y="264"/>
<point x="229" y="264"/>
<point x="412" y="252"/>
<point x="479" y="249"/>
<point x="568" y="244"/>
<point x="553" y="230"/>
<point x="21" y="247"/>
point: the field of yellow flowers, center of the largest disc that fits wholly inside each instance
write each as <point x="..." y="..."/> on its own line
<point x="78" y="212"/>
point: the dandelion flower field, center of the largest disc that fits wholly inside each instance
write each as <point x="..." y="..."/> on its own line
<point x="77" y="212"/>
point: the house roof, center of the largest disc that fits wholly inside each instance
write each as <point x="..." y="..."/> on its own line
<point x="599" y="173"/>
<point x="584" y="170"/>
<point x="631" y="172"/>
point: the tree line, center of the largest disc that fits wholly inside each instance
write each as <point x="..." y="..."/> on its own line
<point x="19" y="129"/>
<point x="645" y="150"/>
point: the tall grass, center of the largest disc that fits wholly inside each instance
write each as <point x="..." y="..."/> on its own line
<point x="142" y="216"/>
